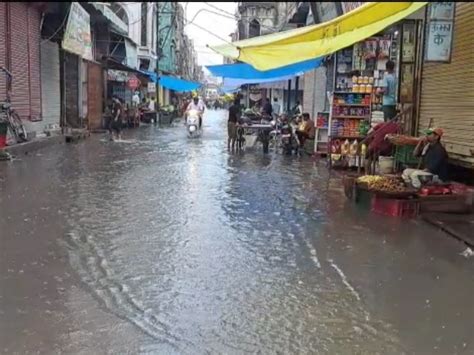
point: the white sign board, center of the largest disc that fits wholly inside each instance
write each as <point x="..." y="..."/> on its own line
<point x="151" y="87"/>
<point x="442" y="10"/>
<point x="440" y="32"/>
<point x="77" y="37"/>
<point x="440" y="36"/>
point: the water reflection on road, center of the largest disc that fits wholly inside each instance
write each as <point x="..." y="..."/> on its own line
<point x="204" y="251"/>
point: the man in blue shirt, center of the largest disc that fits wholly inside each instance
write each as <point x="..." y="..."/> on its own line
<point x="387" y="88"/>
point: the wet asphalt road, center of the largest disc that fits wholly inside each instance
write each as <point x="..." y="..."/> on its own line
<point x="165" y="245"/>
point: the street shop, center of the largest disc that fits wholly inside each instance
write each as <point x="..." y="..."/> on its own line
<point x="355" y="103"/>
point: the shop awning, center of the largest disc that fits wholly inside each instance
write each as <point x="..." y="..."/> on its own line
<point x="230" y="82"/>
<point x="246" y="71"/>
<point x="176" y="84"/>
<point x="284" y="48"/>
<point x="173" y="83"/>
<point x="113" y="64"/>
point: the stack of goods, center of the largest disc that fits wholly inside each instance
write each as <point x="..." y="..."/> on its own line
<point x="351" y="128"/>
<point x="364" y="127"/>
<point x="352" y="99"/>
<point x="342" y="111"/>
<point x="362" y="84"/>
<point x="377" y="117"/>
<point x="322" y="120"/>
<point x="337" y="128"/>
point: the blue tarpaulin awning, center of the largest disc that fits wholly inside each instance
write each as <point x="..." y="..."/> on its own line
<point x="173" y="83"/>
<point x="176" y="84"/>
<point x="246" y="71"/>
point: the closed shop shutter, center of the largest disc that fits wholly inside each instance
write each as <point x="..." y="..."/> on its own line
<point x="72" y="90"/>
<point x="19" y="63"/>
<point x="24" y="42"/>
<point x="50" y="83"/>
<point x="34" y="40"/>
<point x="3" y="47"/>
<point x="447" y="94"/>
<point x="95" y="95"/>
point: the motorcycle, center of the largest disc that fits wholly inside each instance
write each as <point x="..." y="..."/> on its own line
<point x="192" y="123"/>
<point x="289" y="139"/>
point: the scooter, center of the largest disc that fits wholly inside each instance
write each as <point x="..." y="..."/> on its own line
<point x="192" y="124"/>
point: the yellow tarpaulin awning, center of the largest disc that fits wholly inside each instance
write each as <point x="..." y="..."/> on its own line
<point x="284" y="48"/>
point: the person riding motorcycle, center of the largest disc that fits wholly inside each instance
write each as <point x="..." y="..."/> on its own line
<point x="198" y="105"/>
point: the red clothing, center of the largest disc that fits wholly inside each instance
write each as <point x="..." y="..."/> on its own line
<point x="378" y="143"/>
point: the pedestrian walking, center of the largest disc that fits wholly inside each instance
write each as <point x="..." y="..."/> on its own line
<point x="115" y="127"/>
<point x="234" y="116"/>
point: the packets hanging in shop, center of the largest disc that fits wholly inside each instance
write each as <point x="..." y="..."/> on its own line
<point x="357" y="56"/>
<point x="384" y="48"/>
<point x="370" y="48"/>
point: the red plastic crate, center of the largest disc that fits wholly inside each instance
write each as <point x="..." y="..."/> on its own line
<point x="395" y="208"/>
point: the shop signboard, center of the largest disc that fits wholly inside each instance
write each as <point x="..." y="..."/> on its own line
<point x="77" y="37"/>
<point x="133" y="82"/>
<point x="442" y="11"/>
<point x="326" y="11"/>
<point x="151" y="87"/>
<point x="117" y="75"/>
<point x="349" y="6"/>
<point x="440" y="32"/>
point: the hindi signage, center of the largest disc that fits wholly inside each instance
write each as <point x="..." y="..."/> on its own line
<point x="440" y="32"/>
<point x="77" y="37"/>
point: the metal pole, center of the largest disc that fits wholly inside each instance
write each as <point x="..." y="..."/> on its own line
<point x="297" y="84"/>
<point x="288" y="97"/>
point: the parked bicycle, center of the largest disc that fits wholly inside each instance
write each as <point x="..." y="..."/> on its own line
<point x="16" y="129"/>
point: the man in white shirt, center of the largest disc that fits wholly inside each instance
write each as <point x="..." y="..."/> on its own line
<point x="198" y="105"/>
<point x="151" y="104"/>
<point x="276" y="107"/>
<point x="136" y="99"/>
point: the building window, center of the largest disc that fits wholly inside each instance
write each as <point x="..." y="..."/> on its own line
<point x="254" y="29"/>
<point x="144" y="64"/>
<point x="144" y="20"/>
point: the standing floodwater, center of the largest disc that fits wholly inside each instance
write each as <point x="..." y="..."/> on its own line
<point x="164" y="244"/>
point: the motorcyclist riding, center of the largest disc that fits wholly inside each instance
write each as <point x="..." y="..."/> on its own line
<point x="198" y="105"/>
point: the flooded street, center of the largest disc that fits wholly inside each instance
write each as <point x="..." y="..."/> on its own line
<point x="161" y="244"/>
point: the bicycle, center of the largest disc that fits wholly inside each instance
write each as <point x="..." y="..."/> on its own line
<point x="15" y="126"/>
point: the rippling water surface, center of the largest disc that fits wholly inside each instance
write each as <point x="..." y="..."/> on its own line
<point x="209" y="252"/>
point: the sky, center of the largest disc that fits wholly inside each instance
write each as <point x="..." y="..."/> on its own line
<point x="222" y="26"/>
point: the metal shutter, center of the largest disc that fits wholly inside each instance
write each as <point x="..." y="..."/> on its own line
<point x="50" y="83"/>
<point x="448" y="91"/>
<point x="3" y="48"/>
<point x="25" y="60"/>
<point x="34" y="40"/>
<point x="19" y="63"/>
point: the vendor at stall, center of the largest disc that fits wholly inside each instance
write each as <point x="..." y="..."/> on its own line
<point x="435" y="159"/>
<point x="306" y="129"/>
